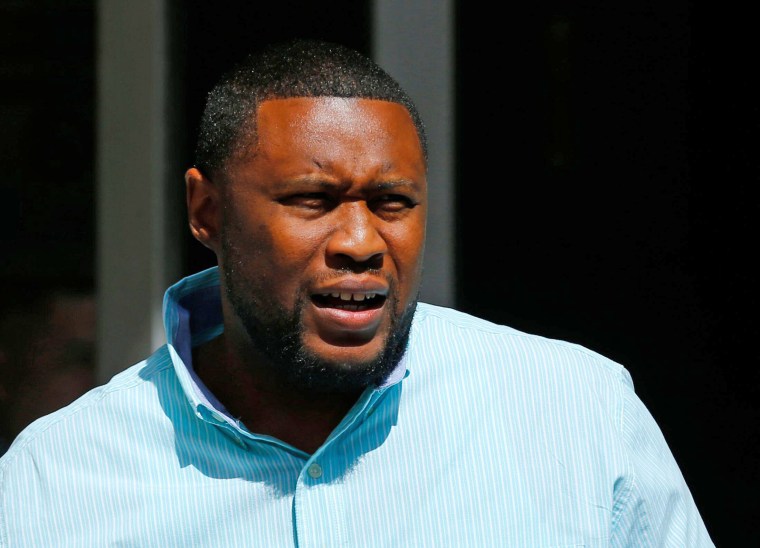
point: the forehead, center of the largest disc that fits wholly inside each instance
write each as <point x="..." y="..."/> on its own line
<point x="329" y="112"/>
<point x="345" y="140"/>
<point x="312" y="122"/>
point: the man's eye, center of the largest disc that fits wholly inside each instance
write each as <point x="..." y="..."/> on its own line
<point x="392" y="203"/>
<point x="310" y="200"/>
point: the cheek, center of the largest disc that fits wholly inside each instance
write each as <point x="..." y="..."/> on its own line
<point x="406" y="244"/>
<point x="295" y="244"/>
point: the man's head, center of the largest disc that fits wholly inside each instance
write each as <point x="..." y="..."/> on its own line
<point x="310" y="187"/>
<point x="298" y="68"/>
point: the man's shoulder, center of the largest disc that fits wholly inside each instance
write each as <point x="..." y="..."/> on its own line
<point x="97" y="413"/>
<point x="479" y="337"/>
<point x="494" y="370"/>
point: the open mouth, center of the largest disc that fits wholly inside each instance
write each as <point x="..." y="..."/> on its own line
<point x="349" y="301"/>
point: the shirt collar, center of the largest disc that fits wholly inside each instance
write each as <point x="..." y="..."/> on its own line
<point x="192" y="316"/>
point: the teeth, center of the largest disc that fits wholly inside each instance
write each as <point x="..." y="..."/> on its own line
<point x="351" y="296"/>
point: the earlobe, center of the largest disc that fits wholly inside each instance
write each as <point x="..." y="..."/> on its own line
<point x="202" y="197"/>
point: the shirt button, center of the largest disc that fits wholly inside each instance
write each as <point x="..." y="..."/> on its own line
<point x="315" y="471"/>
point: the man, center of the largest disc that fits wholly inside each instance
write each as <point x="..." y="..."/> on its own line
<point x="305" y="398"/>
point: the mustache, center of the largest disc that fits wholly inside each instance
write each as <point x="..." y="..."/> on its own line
<point x="338" y="273"/>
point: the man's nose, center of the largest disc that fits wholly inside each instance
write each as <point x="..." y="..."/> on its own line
<point x="356" y="235"/>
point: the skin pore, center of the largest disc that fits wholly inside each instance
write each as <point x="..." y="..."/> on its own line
<point x="319" y="234"/>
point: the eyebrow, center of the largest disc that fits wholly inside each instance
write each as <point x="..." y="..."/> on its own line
<point x="305" y="181"/>
<point x="330" y="185"/>
<point x="390" y="185"/>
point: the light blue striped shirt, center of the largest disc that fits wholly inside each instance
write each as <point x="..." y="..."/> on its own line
<point x="487" y="437"/>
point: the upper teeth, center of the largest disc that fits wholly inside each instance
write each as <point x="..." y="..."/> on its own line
<point x="353" y="296"/>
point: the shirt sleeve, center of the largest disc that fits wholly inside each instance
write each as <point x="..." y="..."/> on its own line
<point x="652" y="503"/>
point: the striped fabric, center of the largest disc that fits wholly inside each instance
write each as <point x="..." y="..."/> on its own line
<point x="487" y="437"/>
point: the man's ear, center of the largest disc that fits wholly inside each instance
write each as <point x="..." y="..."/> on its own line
<point x="203" y="209"/>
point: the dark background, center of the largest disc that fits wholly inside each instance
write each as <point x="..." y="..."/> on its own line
<point x="606" y="184"/>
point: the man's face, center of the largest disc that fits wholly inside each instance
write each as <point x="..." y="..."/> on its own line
<point x="323" y="228"/>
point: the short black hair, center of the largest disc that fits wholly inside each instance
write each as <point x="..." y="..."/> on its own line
<point x="296" y="68"/>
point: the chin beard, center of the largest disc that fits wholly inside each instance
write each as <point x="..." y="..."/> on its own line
<point x="277" y="335"/>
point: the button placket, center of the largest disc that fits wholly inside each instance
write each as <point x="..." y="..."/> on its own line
<point x="319" y="515"/>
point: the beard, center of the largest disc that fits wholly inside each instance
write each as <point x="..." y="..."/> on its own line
<point x="278" y="335"/>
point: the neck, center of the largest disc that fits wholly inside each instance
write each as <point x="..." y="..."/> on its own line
<point x="259" y="399"/>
